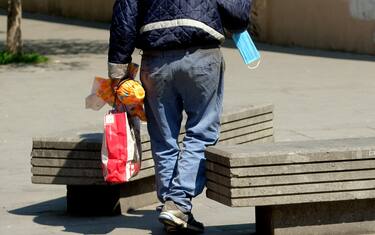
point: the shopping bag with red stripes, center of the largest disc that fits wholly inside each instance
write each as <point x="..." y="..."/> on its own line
<point x="120" y="155"/>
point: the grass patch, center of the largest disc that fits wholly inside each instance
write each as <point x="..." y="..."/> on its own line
<point x="27" y="58"/>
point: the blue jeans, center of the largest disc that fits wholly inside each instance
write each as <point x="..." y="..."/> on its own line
<point x="188" y="80"/>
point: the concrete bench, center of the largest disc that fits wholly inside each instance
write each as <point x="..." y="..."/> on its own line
<point x="307" y="187"/>
<point x="73" y="159"/>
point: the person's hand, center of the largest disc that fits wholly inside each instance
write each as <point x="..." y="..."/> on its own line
<point x="117" y="71"/>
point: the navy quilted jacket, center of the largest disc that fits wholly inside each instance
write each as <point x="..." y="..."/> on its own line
<point x="166" y="24"/>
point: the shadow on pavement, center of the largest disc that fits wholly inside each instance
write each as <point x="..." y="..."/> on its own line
<point x="62" y="20"/>
<point x="58" y="47"/>
<point x="315" y="52"/>
<point x="306" y="51"/>
<point x="53" y="66"/>
<point x="53" y="213"/>
<point x="63" y="47"/>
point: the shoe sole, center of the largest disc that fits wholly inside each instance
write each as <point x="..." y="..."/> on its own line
<point x="169" y="219"/>
<point x="171" y="229"/>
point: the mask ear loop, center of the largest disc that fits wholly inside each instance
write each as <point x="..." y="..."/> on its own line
<point x="255" y="66"/>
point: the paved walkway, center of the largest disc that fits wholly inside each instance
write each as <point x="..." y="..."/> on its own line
<point x="316" y="95"/>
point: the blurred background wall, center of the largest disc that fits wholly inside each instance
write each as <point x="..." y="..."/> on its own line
<point x="96" y="10"/>
<point x="344" y="25"/>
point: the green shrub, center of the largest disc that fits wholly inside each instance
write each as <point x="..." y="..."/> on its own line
<point x="27" y="58"/>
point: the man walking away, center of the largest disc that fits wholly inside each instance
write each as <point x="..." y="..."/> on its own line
<point x="182" y="71"/>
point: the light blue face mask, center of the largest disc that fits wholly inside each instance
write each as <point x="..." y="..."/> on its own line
<point x="247" y="49"/>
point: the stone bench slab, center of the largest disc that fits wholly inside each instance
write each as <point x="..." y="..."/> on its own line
<point x="290" y="199"/>
<point x="263" y="136"/>
<point x="305" y="187"/>
<point x="233" y="182"/>
<point x="293" y="152"/>
<point x="81" y="180"/>
<point x="74" y="163"/>
<point x="288" y="169"/>
<point x="294" y="189"/>
<point x="252" y="136"/>
<point x="230" y="134"/>
<point x="73" y="158"/>
<point x="293" y="172"/>
<point x="347" y="217"/>
<point x="66" y="172"/>
<point x="62" y="163"/>
<point x="92" y="138"/>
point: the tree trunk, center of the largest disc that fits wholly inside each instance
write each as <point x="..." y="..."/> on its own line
<point x="14" y="36"/>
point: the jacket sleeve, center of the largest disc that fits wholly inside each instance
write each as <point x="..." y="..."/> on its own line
<point x="235" y="14"/>
<point x="123" y="34"/>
